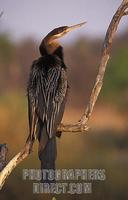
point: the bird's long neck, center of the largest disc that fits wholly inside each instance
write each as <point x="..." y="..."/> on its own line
<point x="48" y="45"/>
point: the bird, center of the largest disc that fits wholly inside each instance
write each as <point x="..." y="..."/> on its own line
<point x="47" y="92"/>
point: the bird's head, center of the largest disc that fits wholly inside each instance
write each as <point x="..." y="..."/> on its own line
<point x="50" y="41"/>
<point x="63" y="30"/>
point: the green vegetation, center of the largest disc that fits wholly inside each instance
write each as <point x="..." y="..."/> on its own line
<point x="82" y="56"/>
<point x="6" y="48"/>
<point x="117" y="78"/>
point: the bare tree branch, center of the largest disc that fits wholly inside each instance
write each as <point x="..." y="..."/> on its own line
<point x="126" y="13"/>
<point x="81" y="125"/>
<point x="14" y="162"/>
<point x="107" y="45"/>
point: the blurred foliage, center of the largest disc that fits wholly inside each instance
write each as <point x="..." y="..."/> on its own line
<point x="98" y="150"/>
<point x="117" y="76"/>
<point x="6" y="49"/>
<point x="116" y="79"/>
<point x="82" y="58"/>
<point x="107" y="149"/>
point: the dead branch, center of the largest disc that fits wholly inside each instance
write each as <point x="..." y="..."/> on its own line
<point x="14" y="162"/>
<point x="126" y="13"/>
<point x="81" y="125"/>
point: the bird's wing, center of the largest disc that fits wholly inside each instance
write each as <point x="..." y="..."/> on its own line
<point x="56" y="100"/>
<point x="46" y="97"/>
<point x="33" y="118"/>
<point x="33" y="93"/>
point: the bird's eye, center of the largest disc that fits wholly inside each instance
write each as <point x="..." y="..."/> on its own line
<point x="62" y="29"/>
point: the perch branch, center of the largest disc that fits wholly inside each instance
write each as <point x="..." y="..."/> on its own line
<point x="14" y="162"/>
<point x="126" y="13"/>
<point x="81" y="125"/>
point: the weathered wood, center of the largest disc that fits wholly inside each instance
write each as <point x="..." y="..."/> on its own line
<point x="14" y="162"/>
<point x="82" y="125"/>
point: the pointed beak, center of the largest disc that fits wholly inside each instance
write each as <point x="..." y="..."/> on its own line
<point x="75" y="26"/>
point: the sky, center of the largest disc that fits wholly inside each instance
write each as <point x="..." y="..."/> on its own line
<point x="35" y="18"/>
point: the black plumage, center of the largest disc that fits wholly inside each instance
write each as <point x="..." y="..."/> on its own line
<point x="47" y="93"/>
